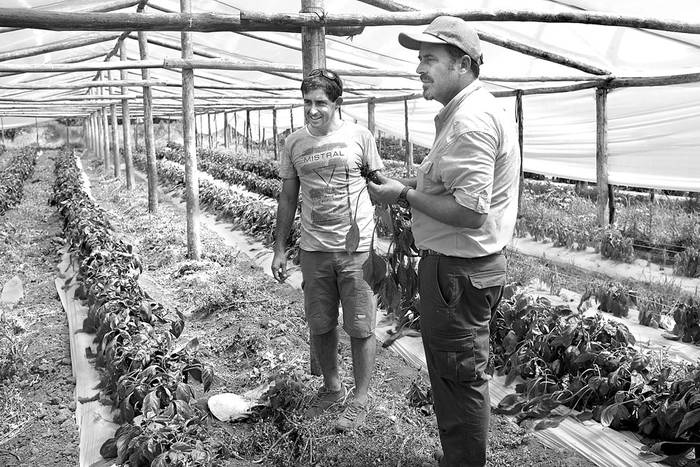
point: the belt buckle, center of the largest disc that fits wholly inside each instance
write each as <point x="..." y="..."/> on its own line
<point x="429" y="252"/>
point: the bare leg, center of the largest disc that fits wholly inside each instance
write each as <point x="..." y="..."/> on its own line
<point x="327" y="351"/>
<point x="363" y="353"/>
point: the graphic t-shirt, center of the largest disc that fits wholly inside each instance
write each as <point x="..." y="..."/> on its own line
<point x="333" y="193"/>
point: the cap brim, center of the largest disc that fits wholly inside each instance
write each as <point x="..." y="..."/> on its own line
<point x="413" y="41"/>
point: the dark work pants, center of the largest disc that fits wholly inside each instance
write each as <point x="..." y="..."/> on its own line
<point x="457" y="298"/>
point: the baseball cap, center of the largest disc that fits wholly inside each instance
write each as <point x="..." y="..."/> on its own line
<point x="446" y="30"/>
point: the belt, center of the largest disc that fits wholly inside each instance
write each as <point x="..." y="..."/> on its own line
<point x="428" y="252"/>
<point x="424" y="253"/>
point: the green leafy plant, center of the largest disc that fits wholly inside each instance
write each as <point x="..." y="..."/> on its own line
<point x="614" y="245"/>
<point x="12" y="179"/>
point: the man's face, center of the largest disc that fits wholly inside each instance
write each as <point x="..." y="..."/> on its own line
<point x="439" y="73"/>
<point x="319" y="111"/>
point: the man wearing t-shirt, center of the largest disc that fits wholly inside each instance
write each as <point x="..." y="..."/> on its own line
<point x="324" y="159"/>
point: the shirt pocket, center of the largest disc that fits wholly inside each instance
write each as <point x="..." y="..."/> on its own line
<point x="430" y="177"/>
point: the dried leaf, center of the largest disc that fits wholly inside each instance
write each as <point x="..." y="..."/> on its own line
<point x="352" y="238"/>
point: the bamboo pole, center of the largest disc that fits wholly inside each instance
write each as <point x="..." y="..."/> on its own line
<point x="169" y="139"/>
<point x="151" y="170"/>
<point x="226" y="131"/>
<point x="2" y="128"/>
<point x="289" y="22"/>
<point x="126" y="124"/>
<point x="274" y="134"/>
<point x="194" y="250"/>
<point x="291" y="119"/>
<point x="601" y="98"/>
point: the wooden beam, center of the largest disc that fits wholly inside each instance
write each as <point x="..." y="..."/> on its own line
<point x="507" y="43"/>
<point x="57" y="46"/>
<point x="371" y="124"/>
<point x="104" y="6"/>
<point x="290" y="22"/>
<point x="601" y="153"/>
<point x="194" y="247"/>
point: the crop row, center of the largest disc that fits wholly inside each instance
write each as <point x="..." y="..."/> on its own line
<point x="613" y="297"/>
<point x="18" y="170"/>
<point x="145" y="378"/>
<point x="658" y="231"/>
<point x="591" y="364"/>
<point x="255" y="215"/>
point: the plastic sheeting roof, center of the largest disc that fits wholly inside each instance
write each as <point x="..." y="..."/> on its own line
<point x="653" y="132"/>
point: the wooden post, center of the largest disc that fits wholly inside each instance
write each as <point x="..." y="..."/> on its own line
<point x="226" y="130"/>
<point x="105" y="138"/>
<point x="409" y="145"/>
<point x="209" y="129"/>
<point x="36" y="129"/>
<point x="235" y="131"/>
<point x="601" y="98"/>
<point x="291" y="119"/>
<point x="274" y="134"/>
<point x="260" y="138"/>
<point x="168" y="128"/>
<point x="313" y="54"/>
<point x="126" y="123"/>
<point x="247" y="130"/>
<point x="151" y="169"/>
<point x="2" y="127"/>
<point x="371" y="125"/>
<point x="216" y="130"/>
<point x="194" y="248"/>
<point x="115" y="131"/>
<point x="519" y="119"/>
<point x="67" y="125"/>
<point x="611" y="203"/>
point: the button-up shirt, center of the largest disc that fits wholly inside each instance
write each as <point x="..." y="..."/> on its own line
<point x="475" y="159"/>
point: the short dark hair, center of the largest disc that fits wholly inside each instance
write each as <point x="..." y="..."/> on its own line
<point x="326" y="80"/>
<point x="456" y="53"/>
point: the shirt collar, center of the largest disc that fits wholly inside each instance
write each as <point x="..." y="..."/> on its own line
<point x="461" y="96"/>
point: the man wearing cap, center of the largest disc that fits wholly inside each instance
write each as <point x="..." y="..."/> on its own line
<point x="464" y="205"/>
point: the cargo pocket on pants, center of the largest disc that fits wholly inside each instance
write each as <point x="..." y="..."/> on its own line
<point x="454" y="354"/>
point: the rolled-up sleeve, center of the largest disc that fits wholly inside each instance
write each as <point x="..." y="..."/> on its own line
<point x="467" y="169"/>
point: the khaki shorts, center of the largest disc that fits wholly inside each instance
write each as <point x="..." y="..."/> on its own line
<point x="330" y="278"/>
